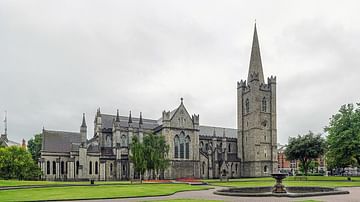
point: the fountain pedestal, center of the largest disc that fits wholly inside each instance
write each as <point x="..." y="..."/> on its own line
<point x="278" y="187"/>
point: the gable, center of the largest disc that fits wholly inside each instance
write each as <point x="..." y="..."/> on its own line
<point x="181" y="118"/>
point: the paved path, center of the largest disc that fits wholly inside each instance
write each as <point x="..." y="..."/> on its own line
<point x="354" y="196"/>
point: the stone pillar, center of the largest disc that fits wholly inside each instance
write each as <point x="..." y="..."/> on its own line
<point x="57" y="176"/>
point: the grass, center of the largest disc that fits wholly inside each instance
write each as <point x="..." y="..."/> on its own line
<point x="11" y="183"/>
<point x="95" y="192"/>
<point x="324" y="181"/>
<point x="291" y="178"/>
<point x="211" y="181"/>
<point x="186" y="200"/>
<point x="122" y="189"/>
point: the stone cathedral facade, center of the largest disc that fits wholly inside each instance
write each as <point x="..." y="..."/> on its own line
<point x="196" y="151"/>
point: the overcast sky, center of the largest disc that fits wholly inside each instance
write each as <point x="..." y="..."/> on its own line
<point x="59" y="59"/>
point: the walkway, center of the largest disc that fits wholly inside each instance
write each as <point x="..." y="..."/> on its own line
<point x="354" y="196"/>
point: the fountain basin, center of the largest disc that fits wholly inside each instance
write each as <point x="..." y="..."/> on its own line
<point x="291" y="191"/>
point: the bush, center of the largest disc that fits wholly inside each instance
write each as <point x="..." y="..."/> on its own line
<point x="17" y="163"/>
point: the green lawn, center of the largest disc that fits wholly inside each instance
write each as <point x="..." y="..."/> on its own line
<point x="311" y="181"/>
<point x="9" y="183"/>
<point x="94" y="192"/>
<point x="291" y="178"/>
<point x="186" y="200"/>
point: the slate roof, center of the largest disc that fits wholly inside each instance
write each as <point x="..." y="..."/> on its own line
<point x="107" y="122"/>
<point x="6" y="142"/>
<point x="209" y="131"/>
<point x="59" y="141"/>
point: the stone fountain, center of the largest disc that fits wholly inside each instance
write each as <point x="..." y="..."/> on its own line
<point x="279" y="187"/>
<point x="280" y="190"/>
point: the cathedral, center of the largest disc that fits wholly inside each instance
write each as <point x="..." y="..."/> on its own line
<point x="196" y="151"/>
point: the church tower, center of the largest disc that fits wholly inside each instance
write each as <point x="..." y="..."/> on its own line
<point x="256" y="119"/>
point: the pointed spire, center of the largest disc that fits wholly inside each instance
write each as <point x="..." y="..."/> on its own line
<point x="5" y="123"/>
<point x="255" y="67"/>
<point x="83" y="124"/>
<point x="98" y="113"/>
<point x="130" y="119"/>
<point x="141" y="120"/>
<point x="23" y="144"/>
<point x="117" y="116"/>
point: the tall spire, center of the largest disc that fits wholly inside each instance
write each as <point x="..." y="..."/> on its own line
<point x="141" y="119"/>
<point x="117" y="116"/>
<point x="83" y="124"/>
<point x="5" y="123"/>
<point x="130" y="119"/>
<point x="255" y="67"/>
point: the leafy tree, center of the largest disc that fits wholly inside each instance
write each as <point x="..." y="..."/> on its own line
<point x="156" y="154"/>
<point x="138" y="156"/>
<point x="344" y="137"/>
<point x="34" y="146"/>
<point x="305" y="149"/>
<point x="17" y="163"/>
<point x="150" y="151"/>
<point x="163" y="151"/>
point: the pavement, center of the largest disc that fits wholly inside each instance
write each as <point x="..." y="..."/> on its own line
<point x="354" y="196"/>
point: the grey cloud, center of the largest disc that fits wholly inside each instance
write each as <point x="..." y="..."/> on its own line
<point x="59" y="59"/>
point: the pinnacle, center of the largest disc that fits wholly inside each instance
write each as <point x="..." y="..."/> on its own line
<point x="255" y="67"/>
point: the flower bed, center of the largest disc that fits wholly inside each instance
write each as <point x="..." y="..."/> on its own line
<point x="188" y="180"/>
<point x="158" y="181"/>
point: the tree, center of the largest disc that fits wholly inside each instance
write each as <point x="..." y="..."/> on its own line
<point x="17" y="163"/>
<point x="163" y="151"/>
<point x="305" y="149"/>
<point x="344" y="137"/>
<point x="34" y="146"/>
<point x="138" y="156"/>
<point x="156" y="151"/>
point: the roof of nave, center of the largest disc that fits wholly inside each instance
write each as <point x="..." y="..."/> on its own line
<point x="219" y="132"/>
<point x="107" y="122"/>
<point x="12" y="143"/>
<point x="6" y="142"/>
<point x="59" y="141"/>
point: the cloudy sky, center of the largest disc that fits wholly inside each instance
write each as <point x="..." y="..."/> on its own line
<point x="59" y="59"/>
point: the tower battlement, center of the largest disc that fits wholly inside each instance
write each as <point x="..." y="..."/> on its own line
<point x="254" y="77"/>
<point x="272" y="80"/>
<point x="241" y="84"/>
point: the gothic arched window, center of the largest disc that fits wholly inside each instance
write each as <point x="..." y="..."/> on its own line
<point x="62" y="167"/>
<point x="96" y="167"/>
<point x="48" y="167"/>
<point x="263" y="105"/>
<point x="187" y="147"/>
<point x="265" y="169"/>
<point x="108" y="141"/>
<point x="203" y="167"/>
<point x="229" y="148"/>
<point x="123" y="141"/>
<point x="77" y="167"/>
<point x="182" y="145"/>
<point x="90" y="168"/>
<point x="54" y="167"/>
<point x="111" y="168"/>
<point x="247" y="107"/>
<point x="176" y="146"/>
